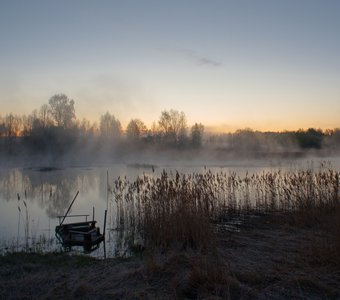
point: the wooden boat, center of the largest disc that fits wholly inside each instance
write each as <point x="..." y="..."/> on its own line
<point x="84" y="233"/>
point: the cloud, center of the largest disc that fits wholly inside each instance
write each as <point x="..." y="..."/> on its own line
<point x="208" y="61"/>
<point x="197" y="58"/>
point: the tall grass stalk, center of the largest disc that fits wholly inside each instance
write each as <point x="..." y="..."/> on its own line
<point x="26" y="223"/>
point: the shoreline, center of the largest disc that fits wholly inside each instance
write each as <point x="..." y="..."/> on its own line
<point x="270" y="257"/>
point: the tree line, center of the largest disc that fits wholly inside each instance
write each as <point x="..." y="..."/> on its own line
<point x="54" y="128"/>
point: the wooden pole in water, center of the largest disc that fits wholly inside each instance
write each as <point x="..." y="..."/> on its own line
<point x="107" y="189"/>
<point x="93" y="213"/>
<point x="104" y="229"/>
<point x="104" y="248"/>
<point x="18" y="221"/>
<point x="69" y="208"/>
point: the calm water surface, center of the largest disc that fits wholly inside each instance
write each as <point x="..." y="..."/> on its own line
<point x="47" y="194"/>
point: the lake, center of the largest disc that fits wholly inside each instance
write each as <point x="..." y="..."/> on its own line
<point x="46" y="193"/>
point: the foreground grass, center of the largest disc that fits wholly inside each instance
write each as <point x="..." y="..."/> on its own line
<point x="284" y="242"/>
<point x="270" y="257"/>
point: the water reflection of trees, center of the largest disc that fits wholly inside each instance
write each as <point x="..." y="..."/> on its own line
<point x="51" y="191"/>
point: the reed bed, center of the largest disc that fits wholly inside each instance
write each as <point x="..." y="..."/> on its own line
<point x="179" y="209"/>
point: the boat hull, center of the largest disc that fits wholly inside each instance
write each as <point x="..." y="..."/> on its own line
<point x="84" y="234"/>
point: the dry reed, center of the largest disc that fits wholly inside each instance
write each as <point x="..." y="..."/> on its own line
<point x="178" y="209"/>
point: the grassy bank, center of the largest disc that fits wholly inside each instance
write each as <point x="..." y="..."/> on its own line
<point x="268" y="258"/>
<point x="271" y="235"/>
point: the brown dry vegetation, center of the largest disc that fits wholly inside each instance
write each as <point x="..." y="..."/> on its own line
<point x="204" y="236"/>
<point x="180" y="210"/>
<point x="267" y="259"/>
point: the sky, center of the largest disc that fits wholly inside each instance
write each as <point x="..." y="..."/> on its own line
<point x="265" y="64"/>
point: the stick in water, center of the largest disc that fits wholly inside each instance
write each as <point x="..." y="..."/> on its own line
<point x="69" y="208"/>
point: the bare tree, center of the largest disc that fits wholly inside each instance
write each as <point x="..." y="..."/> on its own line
<point x="62" y="110"/>
<point x="27" y="124"/>
<point x="13" y="125"/>
<point x="197" y="131"/>
<point x="135" y="129"/>
<point x="110" y="127"/>
<point x="45" y="116"/>
<point x="2" y="127"/>
<point x="173" y="126"/>
<point x="86" y="128"/>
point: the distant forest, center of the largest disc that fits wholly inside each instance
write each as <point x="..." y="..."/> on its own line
<point x="55" y="130"/>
